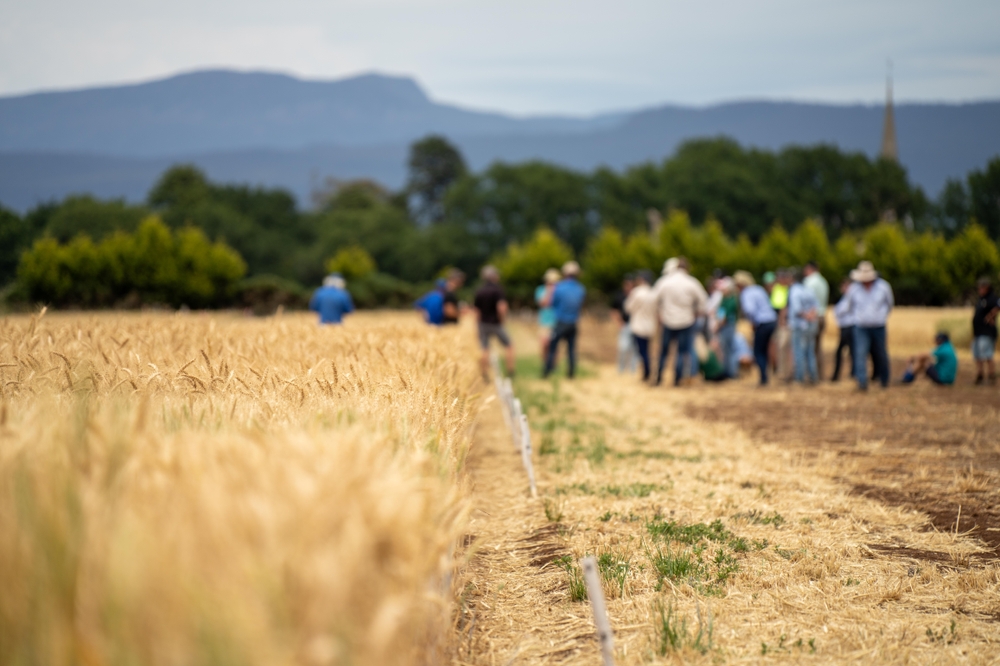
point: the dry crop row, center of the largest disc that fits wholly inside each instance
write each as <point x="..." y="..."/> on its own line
<point x="179" y="489"/>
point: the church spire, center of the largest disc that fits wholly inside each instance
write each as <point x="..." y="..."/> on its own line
<point x="890" y="150"/>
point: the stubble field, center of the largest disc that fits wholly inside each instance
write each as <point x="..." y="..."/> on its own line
<point x="189" y="488"/>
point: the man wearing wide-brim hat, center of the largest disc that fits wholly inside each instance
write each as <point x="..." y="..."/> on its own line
<point x="869" y="301"/>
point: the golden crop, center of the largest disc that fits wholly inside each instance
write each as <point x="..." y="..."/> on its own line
<point x="210" y="489"/>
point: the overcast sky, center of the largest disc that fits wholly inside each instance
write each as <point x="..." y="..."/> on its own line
<point x="530" y="56"/>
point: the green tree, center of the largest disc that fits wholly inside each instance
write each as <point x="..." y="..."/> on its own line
<point x="353" y="262"/>
<point x="886" y="247"/>
<point x="984" y="197"/>
<point x="97" y="219"/>
<point x="971" y="255"/>
<point x="434" y="165"/>
<point x="607" y="260"/>
<point x="522" y="267"/>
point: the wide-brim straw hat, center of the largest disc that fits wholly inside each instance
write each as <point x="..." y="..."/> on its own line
<point x="670" y="265"/>
<point x="743" y="279"/>
<point x="865" y="272"/>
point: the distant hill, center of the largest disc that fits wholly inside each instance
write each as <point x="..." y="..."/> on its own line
<point x="277" y="130"/>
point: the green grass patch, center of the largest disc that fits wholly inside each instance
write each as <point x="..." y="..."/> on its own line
<point x="614" y="566"/>
<point x="577" y="586"/>
<point x="760" y="518"/>
<point x="613" y="490"/>
<point x="674" y="634"/>
<point x="672" y="530"/>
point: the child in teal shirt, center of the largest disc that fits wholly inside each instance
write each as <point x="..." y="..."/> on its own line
<point x="941" y="365"/>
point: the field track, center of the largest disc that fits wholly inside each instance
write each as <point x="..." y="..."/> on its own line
<point x="839" y="569"/>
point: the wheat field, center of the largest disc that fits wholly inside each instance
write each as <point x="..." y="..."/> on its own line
<point x="214" y="489"/>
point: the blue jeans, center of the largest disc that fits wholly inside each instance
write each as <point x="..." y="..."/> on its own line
<point x="562" y="331"/>
<point x="626" y="350"/>
<point x="642" y="346"/>
<point x="685" y="340"/>
<point x="804" y="348"/>
<point x="727" y="343"/>
<point x="761" y="342"/>
<point x="870" y="339"/>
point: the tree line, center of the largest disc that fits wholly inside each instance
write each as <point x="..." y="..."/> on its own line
<point x="735" y="200"/>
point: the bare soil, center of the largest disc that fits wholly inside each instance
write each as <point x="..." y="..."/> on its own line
<point x="923" y="447"/>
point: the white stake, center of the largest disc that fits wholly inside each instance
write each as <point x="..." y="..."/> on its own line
<point x="526" y="454"/>
<point x="596" y="595"/>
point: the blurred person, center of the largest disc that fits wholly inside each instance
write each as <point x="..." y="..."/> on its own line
<point x="332" y="301"/>
<point x="644" y="320"/>
<point x="450" y="305"/>
<point x="814" y="281"/>
<point x="802" y="314"/>
<point x="681" y="300"/>
<point x="869" y="300"/>
<point x="744" y="354"/>
<point x="432" y="303"/>
<point x="756" y="306"/>
<point x="567" y="301"/>
<point x="940" y="366"/>
<point x="546" y="315"/>
<point x="783" y="334"/>
<point x="845" y="322"/>
<point x="709" y="366"/>
<point x="626" y="345"/>
<point x="726" y="315"/>
<point x="491" y="307"/>
<point x="984" y="330"/>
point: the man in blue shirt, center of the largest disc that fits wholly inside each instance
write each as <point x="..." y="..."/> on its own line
<point x="432" y="304"/>
<point x="803" y="316"/>
<point x="756" y="306"/>
<point x="944" y="367"/>
<point x="869" y="301"/>
<point x="331" y="300"/>
<point x="567" y="300"/>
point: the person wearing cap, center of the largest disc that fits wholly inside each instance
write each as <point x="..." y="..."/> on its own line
<point x="814" y="281"/>
<point x="546" y="315"/>
<point x="681" y="300"/>
<point x="756" y="306"/>
<point x="567" y="301"/>
<point x="984" y="330"/>
<point x="802" y="315"/>
<point x="644" y="320"/>
<point x="432" y="303"/>
<point x="490" y="303"/>
<point x="869" y="300"/>
<point x="940" y="366"/>
<point x="845" y="322"/>
<point x="626" y="345"/>
<point x="450" y="307"/>
<point x="332" y="301"/>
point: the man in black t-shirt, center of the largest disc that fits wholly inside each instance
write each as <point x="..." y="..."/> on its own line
<point x="491" y="311"/>
<point x="984" y="331"/>
<point x="455" y="280"/>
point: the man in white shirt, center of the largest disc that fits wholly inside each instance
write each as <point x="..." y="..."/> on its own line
<point x="814" y="281"/>
<point x="641" y="306"/>
<point x="869" y="301"/>
<point x="681" y="300"/>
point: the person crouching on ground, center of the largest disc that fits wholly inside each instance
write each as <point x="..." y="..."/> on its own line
<point x="984" y="331"/>
<point x="567" y="301"/>
<point x="756" y="306"/>
<point x="941" y="365"/>
<point x="491" y="312"/>
<point x="331" y="300"/>
<point x="546" y="315"/>
<point x="644" y="319"/>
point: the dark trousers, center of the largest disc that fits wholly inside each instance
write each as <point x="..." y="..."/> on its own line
<point x="642" y="346"/>
<point x="846" y="342"/>
<point x="685" y="341"/>
<point x="567" y="332"/>
<point x="761" y="343"/>
<point x="870" y="339"/>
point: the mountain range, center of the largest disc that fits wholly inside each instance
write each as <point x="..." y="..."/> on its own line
<point x="277" y="130"/>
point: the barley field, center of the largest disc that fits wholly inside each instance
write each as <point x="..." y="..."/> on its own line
<point x="214" y="489"/>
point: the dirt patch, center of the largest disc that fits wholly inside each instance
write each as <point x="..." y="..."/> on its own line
<point x="921" y="447"/>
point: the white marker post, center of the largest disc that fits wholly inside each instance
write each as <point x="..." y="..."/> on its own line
<point x="596" y="595"/>
<point x="526" y="455"/>
<point x="516" y="425"/>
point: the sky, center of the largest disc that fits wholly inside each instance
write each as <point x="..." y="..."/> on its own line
<point x="526" y="56"/>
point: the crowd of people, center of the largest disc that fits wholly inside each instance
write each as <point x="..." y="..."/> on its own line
<point x="787" y="314"/>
